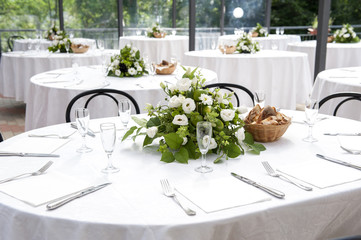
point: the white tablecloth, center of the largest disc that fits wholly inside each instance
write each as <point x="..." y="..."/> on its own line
<point x="338" y="54"/>
<point x="22" y="44"/>
<point x="17" y="68"/>
<point x="339" y="80"/>
<point x="283" y="75"/>
<point x="158" y="49"/>
<point x="273" y="41"/>
<point x="133" y="206"/>
<point x="48" y="101"/>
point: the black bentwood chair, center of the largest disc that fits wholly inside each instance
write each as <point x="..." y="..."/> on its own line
<point x="1" y="137"/>
<point x="347" y="96"/>
<point x="113" y="94"/>
<point x="11" y="41"/>
<point x="233" y="88"/>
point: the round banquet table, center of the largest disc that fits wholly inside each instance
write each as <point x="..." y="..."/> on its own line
<point x="283" y="75"/>
<point x="273" y="41"/>
<point x="43" y="108"/>
<point x="338" y="80"/>
<point x="133" y="206"/>
<point x="338" y="54"/>
<point x="158" y="49"/>
<point x="17" y="68"/>
<point x="22" y="44"/>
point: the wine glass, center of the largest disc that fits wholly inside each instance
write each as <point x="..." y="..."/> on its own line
<point x="67" y="47"/>
<point x="82" y="122"/>
<point x="278" y="31"/>
<point x="311" y="111"/>
<point x="108" y="137"/>
<point x="260" y="97"/>
<point x="100" y="44"/>
<point x="282" y="31"/>
<point x="204" y="135"/>
<point x="124" y="113"/>
<point x="174" y="32"/>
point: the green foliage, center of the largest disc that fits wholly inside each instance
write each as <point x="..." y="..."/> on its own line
<point x="60" y="39"/>
<point x="156" y="29"/>
<point x="260" y="31"/>
<point x="245" y="44"/>
<point x="346" y="35"/>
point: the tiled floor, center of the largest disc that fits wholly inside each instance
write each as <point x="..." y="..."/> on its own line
<point x="12" y="117"/>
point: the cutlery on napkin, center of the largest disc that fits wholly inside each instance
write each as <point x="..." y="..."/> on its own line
<point x="334" y="160"/>
<point x="21" y="154"/>
<point x="342" y="134"/>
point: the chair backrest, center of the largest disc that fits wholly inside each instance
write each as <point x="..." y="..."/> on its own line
<point x="11" y="41"/>
<point x="231" y="87"/>
<point x="88" y="96"/>
<point x="1" y="137"/>
<point x="347" y="96"/>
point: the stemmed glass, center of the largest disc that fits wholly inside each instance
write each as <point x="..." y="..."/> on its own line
<point x="67" y="47"/>
<point x="204" y="135"/>
<point x="311" y="111"/>
<point x="100" y="43"/>
<point x="124" y="113"/>
<point x="82" y="122"/>
<point x="260" y="97"/>
<point x="108" y="136"/>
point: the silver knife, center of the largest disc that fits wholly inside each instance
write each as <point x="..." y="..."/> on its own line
<point x="20" y="154"/>
<point x="334" y="160"/>
<point x="90" y="132"/>
<point x="342" y="134"/>
<point x="269" y="190"/>
<point x="64" y="200"/>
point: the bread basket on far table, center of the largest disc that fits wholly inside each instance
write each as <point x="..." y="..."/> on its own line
<point x="165" y="68"/>
<point x="79" y="48"/>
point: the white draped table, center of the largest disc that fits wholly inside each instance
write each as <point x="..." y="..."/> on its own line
<point x="17" y="68"/>
<point x="273" y="41"/>
<point x="283" y="75"/>
<point x="134" y="207"/>
<point x="339" y="80"/>
<point x="338" y="54"/>
<point x="23" y="44"/>
<point x="158" y="49"/>
<point x="50" y="92"/>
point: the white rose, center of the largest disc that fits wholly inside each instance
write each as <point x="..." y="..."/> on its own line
<point x="221" y="99"/>
<point x="206" y="99"/>
<point x="136" y="64"/>
<point x="183" y="84"/>
<point x="174" y="102"/>
<point x="211" y="142"/>
<point x="227" y="114"/>
<point x="152" y="131"/>
<point x="194" y="81"/>
<point x="116" y="62"/>
<point x="181" y="120"/>
<point x="132" y="71"/>
<point x="139" y="69"/>
<point x="172" y="88"/>
<point x="347" y="35"/>
<point x="128" y="45"/>
<point x="185" y="140"/>
<point x="242" y="109"/>
<point x="240" y="135"/>
<point x="117" y="72"/>
<point x="188" y="105"/>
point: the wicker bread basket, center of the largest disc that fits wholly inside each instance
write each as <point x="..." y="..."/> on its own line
<point x="229" y="49"/>
<point x="79" y="48"/>
<point x="159" y="35"/>
<point x="165" y="70"/>
<point x="266" y="133"/>
<point x="254" y="34"/>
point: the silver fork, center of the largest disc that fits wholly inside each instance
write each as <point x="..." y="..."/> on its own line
<point x="39" y="172"/>
<point x="273" y="173"/>
<point x="169" y="192"/>
<point x="52" y="135"/>
<point x="351" y="150"/>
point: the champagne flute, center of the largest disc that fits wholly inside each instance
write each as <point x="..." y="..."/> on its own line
<point x="67" y="47"/>
<point x="108" y="137"/>
<point x="311" y="111"/>
<point x="100" y="43"/>
<point x="204" y="135"/>
<point x="82" y="122"/>
<point x="260" y="97"/>
<point x="124" y="113"/>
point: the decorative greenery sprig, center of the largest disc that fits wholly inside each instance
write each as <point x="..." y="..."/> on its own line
<point x="245" y="44"/>
<point x="156" y="29"/>
<point x="59" y="41"/>
<point x="127" y="64"/>
<point x="174" y="124"/>
<point x="261" y="31"/>
<point x="346" y="35"/>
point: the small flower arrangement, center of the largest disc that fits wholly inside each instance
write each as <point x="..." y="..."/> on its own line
<point x="259" y="31"/>
<point x="346" y="35"/>
<point x="127" y="64"/>
<point x="53" y="31"/>
<point x="175" y="124"/>
<point x="156" y="31"/>
<point x="245" y="44"/>
<point x="59" y="43"/>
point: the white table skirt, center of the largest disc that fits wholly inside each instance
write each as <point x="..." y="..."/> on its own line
<point x="338" y="54"/>
<point x="158" y="49"/>
<point x="133" y="207"/>
<point x="17" y="68"/>
<point x="273" y="41"/>
<point x="283" y="75"/>
<point x="339" y="80"/>
<point x="48" y="101"/>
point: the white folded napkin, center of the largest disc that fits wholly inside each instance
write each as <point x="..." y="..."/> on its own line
<point x="350" y="142"/>
<point x="38" y="190"/>
<point x="219" y="194"/>
<point x="35" y="145"/>
<point x="321" y="173"/>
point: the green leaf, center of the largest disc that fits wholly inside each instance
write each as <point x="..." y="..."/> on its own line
<point x="129" y="132"/>
<point x="232" y="150"/>
<point x="248" y="138"/>
<point x="173" y="140"/>
<point x="147" y="140"/>
<point x="191" y="148"/>
<point x="167" y="157"/>
<point x="153" y="122"/>
<point x="257" y="148"/>
<point x="140" y="121"/>
<point x="182" y="155"/>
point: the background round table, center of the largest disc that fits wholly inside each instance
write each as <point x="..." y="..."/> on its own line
<point x="158" y="49"/>
<point x="283" y="75"/>
<point x="339" y="80"/>
<point x="50" y="92"/>
<point x="23" y="44"/>
<point x="338" y="54"/>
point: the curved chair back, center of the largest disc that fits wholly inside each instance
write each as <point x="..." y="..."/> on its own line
<point x="347" y="96"/>
<point x="1" y="137"/>
<point x="231" y="87"/>
<point x="11" y="41"/>
<point x="88" y="96"/>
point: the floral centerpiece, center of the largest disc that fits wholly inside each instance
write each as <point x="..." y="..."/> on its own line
<point x="245" y="44"/>
<point x="127" y="64"/>
<point x="52" y="32"/>
<point x="156" y="31"/>
<point x="175" y="124"/>
<point x="259" y="31"/>
<point x="346" y="35"/>
<point x="61" y="42"/>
